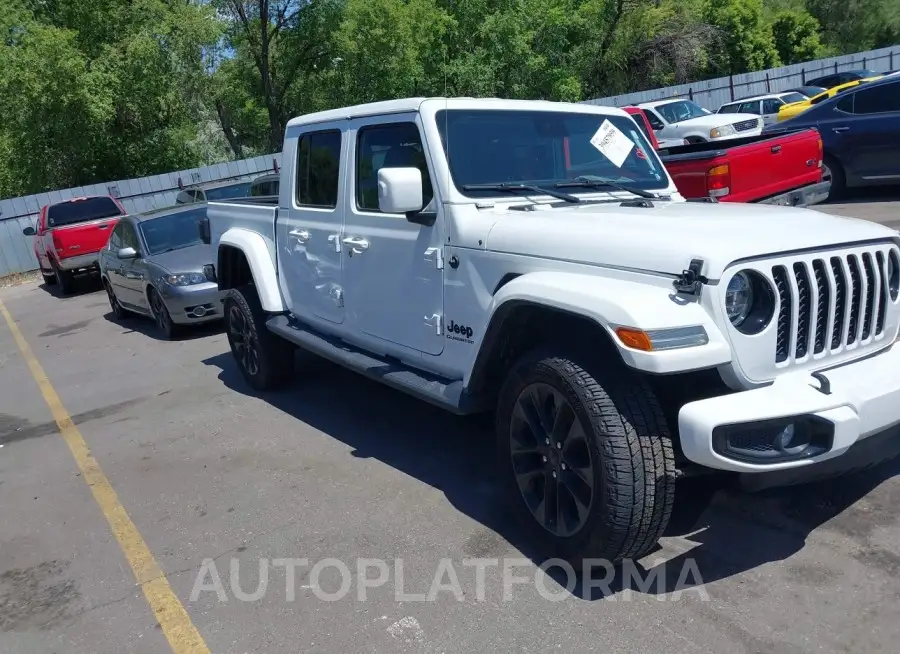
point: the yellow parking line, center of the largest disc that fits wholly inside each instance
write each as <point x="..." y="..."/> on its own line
<point x="176" y="624"/>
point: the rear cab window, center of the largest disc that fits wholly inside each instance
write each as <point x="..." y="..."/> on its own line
<point x="81" y="211"/>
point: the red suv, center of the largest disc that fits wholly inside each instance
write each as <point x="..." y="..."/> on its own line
<point x="69" y="235"/>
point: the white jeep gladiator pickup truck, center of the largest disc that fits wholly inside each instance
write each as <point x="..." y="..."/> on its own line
<point x="535" y="259"/>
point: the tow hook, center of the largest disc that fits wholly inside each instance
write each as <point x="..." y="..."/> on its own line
<point x="824" y="384"/>
<point x="690" y="281"/>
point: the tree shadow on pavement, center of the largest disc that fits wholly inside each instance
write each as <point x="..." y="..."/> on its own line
<point x="722" y="531"/>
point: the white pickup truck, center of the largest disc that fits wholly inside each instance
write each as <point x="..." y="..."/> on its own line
<point x="534" y="259"/>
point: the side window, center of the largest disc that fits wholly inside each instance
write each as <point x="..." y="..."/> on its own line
<point x="115" y="239"/>
<point x="395" y="145"/>
<point x="655" y="122"/>
<point x="129" y="238"/>
<point x="770" y="106"/>
<point x="318" y="166"/>
<point x="749" y="108"/>
<point x="878" y="100"/>
<point x="728" y="109"/>
<point x="845" y="104"/>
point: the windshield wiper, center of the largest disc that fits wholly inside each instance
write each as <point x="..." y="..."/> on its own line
<point x="590" y="181"/>
<point x="514" y="187"/>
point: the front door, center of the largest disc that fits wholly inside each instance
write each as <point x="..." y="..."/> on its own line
<point x="131" y="276"/>
<point x="393" y="268"/>
<point x="309" y="224"/>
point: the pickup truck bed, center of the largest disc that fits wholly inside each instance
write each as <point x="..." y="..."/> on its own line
<point x="784" y="169"/>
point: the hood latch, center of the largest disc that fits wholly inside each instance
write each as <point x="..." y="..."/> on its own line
<point x="690" y="281"/>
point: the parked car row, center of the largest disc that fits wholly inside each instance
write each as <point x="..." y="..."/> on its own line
<point x="150" y="264"/>
<point x="858" y="125"/>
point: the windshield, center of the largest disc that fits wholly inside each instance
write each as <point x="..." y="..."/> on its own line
<point x="793" y="97"/>
<point x="681" y="110"/>
<point x="79" y="211"/>
<point x="540" y="148"/>
<point x="172" y="231"/>
<point x="241" y="190"/>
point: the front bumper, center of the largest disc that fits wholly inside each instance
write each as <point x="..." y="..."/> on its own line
<point x="197" y="303"/>
<point x="801" y="197"/>
<point x="847" y="404"/>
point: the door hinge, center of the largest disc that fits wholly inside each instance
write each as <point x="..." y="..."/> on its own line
<point x="335" y="240"/>
<point x="337" y="294"/>
<point x="690" y="281"/>
<point x="436" y="255"/>
<point x="434" y="322"/>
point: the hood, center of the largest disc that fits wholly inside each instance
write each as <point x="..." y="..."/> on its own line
<point x="664" y="238"/>
<point x="189" y="259"/>
<point x="716" y="120"/>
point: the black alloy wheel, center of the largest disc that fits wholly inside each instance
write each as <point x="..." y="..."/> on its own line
<point x="551" y="460"/>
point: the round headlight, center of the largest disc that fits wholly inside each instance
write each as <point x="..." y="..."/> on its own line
<point x="739" y="298"/>
<point x="750" y="302"/>
<point x="894" y="274"/>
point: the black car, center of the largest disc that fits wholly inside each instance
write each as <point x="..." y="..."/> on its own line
<point x="860" y="131"/>
<point x="213" y="191"/>
<point x="836" y="79"/>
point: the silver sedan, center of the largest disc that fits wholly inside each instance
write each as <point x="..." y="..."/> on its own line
<point x="152" y="265"/>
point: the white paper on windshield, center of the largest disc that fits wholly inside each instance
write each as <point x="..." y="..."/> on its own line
<point x="612" y="143"/>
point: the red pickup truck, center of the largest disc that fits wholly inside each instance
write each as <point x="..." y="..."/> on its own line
<point x="783" y="169"/>
<point x="68" y="237"/>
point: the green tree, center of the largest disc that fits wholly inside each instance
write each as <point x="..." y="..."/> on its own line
<point x="747" y="39"/>
<point x="796" y="36"/>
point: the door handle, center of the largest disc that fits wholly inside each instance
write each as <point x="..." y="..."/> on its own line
<point x="357" y="245"/>
<point x="776" y="149"/>
<point x="838" y="130"/>
<point x="104" y="227"/>
<point x="300" y="234"/>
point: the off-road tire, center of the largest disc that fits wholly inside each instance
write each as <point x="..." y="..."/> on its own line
<point x="275" y="356"/>
<point x="624" y="425"/>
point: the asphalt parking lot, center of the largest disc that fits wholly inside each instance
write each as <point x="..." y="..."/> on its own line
<point x="156" y="458"/>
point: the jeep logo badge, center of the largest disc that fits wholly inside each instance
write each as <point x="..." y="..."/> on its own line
<point x="458" y="332"/>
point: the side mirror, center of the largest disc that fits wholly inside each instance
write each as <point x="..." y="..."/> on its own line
<point x="29" y="231"/>
<point x="127" y="253"/>
<point x="400" y="190"/>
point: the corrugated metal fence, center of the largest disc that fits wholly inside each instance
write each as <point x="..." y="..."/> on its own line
<point x="137" y="195"/>
<point x="147" y="193"/>
<point x="713" y="93"/>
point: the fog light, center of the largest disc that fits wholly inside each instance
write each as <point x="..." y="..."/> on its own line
<point x="773" y="441"/>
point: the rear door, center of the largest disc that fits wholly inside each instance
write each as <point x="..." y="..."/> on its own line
<point x="770" y="110"/>
<point x="311" y="214"/>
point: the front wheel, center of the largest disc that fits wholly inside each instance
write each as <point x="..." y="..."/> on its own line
<point x="586" y="458"/>
<point x="266" y="360"/>
<point x="161" y="315"/>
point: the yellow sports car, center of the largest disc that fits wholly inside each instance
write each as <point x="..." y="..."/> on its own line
<point x="791" y="109"/>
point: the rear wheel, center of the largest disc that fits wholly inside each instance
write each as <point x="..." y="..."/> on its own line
<point x="49" y="277"/>
<point x="586" y="458"/>
<point x="266" y="361"/>
<point x="65" y="279"/>
<point x="833" y="172"/>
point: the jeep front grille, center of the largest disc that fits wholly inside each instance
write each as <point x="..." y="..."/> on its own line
<point x="830" y="302"/>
